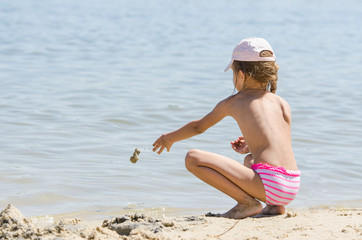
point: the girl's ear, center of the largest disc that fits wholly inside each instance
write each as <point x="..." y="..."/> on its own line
<point x="240" y="80"/>
<point x="240" y="75"/>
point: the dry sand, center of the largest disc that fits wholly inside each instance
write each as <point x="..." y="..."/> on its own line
<point x="322" y="223"/>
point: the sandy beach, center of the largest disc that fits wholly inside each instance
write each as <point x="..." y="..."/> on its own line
<point x="313" y="223"/>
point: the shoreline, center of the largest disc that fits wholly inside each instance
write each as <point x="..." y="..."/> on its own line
<point x="309" y="223"/>
<point x="100" y="212"/>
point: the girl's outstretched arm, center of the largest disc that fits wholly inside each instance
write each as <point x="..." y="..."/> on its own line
<point x="192" y="128"/>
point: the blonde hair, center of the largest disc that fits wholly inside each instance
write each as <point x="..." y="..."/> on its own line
<point x="262" y="72"/>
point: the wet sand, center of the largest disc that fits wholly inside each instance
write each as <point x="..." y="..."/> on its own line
<point x="318" y="223"/>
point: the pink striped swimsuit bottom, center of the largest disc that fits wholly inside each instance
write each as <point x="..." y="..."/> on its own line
<point x="281" y="185"/>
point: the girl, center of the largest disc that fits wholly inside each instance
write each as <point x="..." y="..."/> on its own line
<point x="265" y="122"/>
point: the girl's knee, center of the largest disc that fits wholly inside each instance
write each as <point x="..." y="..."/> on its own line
<point x="191" y="158"/>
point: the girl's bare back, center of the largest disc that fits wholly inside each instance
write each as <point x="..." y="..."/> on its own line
<point x="265" y="121"/>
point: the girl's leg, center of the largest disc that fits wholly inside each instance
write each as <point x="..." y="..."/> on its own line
<point x="248" y="161"/>
<point x="230" y="177"/>
<point x="269" y="209"/>
<point x="273" y="210"/>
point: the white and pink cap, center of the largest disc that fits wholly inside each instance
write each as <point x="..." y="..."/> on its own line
<point x="252" y="50"/>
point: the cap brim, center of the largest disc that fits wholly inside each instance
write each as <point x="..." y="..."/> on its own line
<point x="229" y="66"/>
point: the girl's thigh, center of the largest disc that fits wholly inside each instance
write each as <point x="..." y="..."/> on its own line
<point x="243" y="177"/>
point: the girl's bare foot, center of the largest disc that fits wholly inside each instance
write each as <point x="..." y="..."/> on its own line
<point x="273" y="210"/>
<point x="243" y="210"/>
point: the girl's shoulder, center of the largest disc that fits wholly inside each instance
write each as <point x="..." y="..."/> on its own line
<point x="279" y="99"/>
<point x="283" y="102"/>
<point x="284" y="105"/>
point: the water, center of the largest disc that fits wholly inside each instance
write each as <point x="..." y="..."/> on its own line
<point x="83" y="83"/>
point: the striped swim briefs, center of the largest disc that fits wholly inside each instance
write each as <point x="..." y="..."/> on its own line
<point x="281" y="185"/>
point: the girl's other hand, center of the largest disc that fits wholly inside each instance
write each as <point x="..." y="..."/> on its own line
<point x="239" y="145"/>
<point x="161" y="143"/>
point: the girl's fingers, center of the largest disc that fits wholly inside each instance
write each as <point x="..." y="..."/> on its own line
<point x="156" y="142"/>
<point x="161" y="149"/>
<point x="155" y="148"/>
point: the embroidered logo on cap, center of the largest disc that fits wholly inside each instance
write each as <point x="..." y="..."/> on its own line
<point x="266" y="53"/>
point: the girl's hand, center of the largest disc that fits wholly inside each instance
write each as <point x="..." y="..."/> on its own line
<point x="239" y="145"/>
<point x="162" y="142"/>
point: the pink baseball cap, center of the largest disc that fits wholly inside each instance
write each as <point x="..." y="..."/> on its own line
<point x="252" y="50"/>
